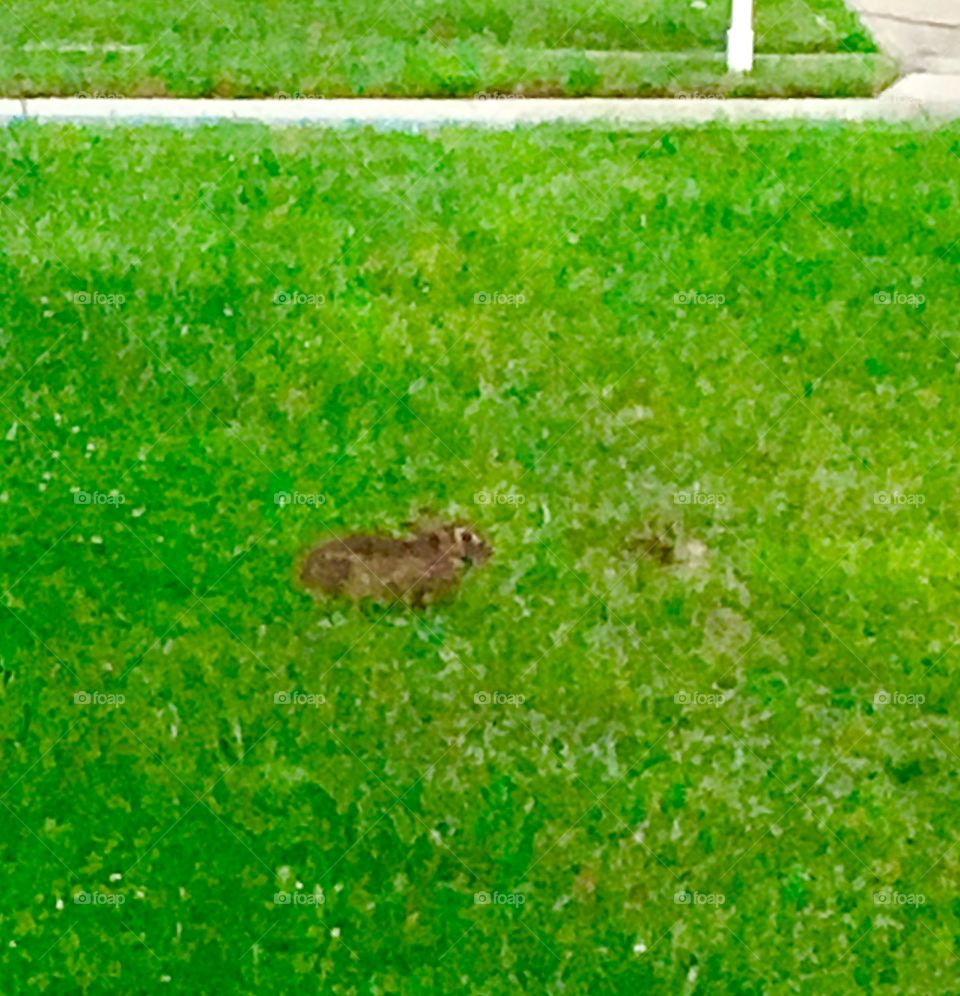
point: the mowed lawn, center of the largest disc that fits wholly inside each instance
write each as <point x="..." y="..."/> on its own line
<point x="692" y="728"/>
<point x="434" y="47"/>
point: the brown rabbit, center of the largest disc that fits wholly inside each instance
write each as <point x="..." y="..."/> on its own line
<point x="414" y="570"/>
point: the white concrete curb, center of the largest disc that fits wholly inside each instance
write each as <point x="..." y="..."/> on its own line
<point x="911" y="98"/>
<point x="11" y="109"/>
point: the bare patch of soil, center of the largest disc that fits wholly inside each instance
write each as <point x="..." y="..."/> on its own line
<point x="658" y="545"/>
<point x="416" y="570"/>
<point x="667" y="546"/>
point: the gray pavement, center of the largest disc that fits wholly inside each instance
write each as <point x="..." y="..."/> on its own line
<point x="924" y="35"/>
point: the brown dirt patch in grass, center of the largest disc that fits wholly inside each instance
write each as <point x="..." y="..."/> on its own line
<point x="668" y="546"/>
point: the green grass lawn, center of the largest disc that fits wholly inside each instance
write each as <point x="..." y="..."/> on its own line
<point x="729" y="770"/>
<point x="435" y="47"/>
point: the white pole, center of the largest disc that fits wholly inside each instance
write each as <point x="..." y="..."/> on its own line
<point x="740" y="37"/>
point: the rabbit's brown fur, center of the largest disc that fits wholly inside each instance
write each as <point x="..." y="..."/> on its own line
<point x="415" y="570"/>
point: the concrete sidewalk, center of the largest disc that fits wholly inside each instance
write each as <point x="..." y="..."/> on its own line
<point x="923" y="35"/>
